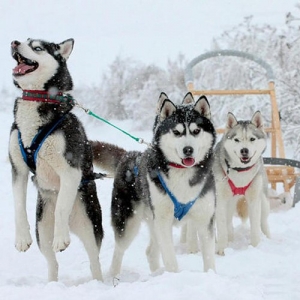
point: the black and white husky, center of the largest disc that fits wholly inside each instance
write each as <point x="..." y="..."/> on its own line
<point x="48" y="140"/>
<point x="170" y="183"/>
<point x="241" y="181"/>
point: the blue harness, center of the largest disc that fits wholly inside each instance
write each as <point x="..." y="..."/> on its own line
<point x="30" y="153"/>
<point x="180" y="209"/>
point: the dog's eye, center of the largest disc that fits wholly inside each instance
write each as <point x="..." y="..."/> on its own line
<point x="196" y="131"/>
<point x="252" y="139"/>
<point x="176" y="132"/>
<point x="38" y="49"/>
<point x="237" y="140"/>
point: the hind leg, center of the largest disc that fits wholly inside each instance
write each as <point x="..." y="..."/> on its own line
<point x="183" y="234"/>
<point x="192" y="238"/>
<point x="45" y="233"/>
<point x="222" y="225"/>
<point x="231" y="209"/>
<point x="152" y="251"/>
<point x="207" y="238"/>
<point x="265" y="210"/>
<point x="123" y="238"/>
<point x="82" y="225"/>
<point x="189" y="236"/>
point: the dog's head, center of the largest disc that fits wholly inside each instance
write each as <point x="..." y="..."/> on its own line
<point x="244" y="141"/>
<point x="184" y="132"/>
<point x="42" y="65"/>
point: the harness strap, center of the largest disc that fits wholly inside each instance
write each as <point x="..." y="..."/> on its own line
<point x="180" y="209"/>
<point x="30" y="153"/>
<point x="238" y="190"/>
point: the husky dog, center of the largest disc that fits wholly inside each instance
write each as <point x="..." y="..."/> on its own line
<point x="48" y="140"/>
<point x="169" y="182"/>
<point x="241" y="181"/>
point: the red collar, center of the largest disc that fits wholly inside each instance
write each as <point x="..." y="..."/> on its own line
<point x="42" y="96"/>
<point x="238" y="190"/>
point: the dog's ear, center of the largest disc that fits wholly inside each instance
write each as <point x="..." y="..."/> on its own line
<point x="188" y="99"/>
<point x="202" y="106"/>
<point x="162" y="97"/>
<point x="257" y="120"/>
<point x="65" y="48"/>
<point x="167" y="109"/>
<point x="231" y="121"/>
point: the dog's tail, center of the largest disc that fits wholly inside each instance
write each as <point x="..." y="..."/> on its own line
<point x="106" y="156"/>
<point x="242" y="209"/>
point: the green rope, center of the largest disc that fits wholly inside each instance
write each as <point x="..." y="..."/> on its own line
<point x="107" y="122"/>
<point x="89" y="112"/>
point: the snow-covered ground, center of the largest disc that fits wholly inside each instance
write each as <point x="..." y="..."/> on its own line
<point x="269" y="271"/>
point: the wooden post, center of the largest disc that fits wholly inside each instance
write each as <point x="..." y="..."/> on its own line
<point x="277" y="140"/>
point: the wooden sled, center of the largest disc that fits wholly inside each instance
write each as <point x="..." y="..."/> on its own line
<point x="279" y="169"/>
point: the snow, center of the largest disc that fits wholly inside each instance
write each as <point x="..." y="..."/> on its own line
<point x="152" y="32"/>
<point x="269" y="271"/>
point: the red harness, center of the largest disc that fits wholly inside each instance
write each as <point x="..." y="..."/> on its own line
<point x="239" y="190"/>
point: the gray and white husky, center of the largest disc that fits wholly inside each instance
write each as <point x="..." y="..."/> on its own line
<point x="48" y="140"/>
<point x="170" y="183"/>
<point x="241" y="181"/>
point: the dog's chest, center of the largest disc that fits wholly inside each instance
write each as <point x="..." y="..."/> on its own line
<point x="28" y="121"/>
<point x="178" y="183"/>
<point x="242" y="179"/>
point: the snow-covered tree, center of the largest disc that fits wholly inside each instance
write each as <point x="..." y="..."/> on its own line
<point x="130" y="89"/>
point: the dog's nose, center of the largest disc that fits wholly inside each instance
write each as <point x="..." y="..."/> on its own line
<point x="188" y="151"/>
<point x="244" y="152"/>
<point x="15" y="44"/>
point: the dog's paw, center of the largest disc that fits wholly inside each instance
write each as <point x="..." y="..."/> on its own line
<point x="61" y="243"/>
<point x="23" y="242"/>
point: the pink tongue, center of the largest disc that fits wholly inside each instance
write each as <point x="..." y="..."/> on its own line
<point x="21" y="68"/>
<point x="189" y="161"/>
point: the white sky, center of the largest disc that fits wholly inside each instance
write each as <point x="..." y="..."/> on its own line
<point x="146" y="30"/>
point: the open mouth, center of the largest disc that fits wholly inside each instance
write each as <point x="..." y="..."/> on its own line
<point x="245" y="160"/>
<point x="188" y="161"/>
<point x="24" y="65"/>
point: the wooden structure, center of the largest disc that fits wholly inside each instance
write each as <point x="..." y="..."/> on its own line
<point x="279" y="169"/>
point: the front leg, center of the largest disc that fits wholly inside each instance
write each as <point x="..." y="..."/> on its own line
<point x="163" y="232"/>
<point x="69" y="182"/>
<point x="221" y="222"/>
<point x="255" y="220"/>
<point x="23" y="238"/>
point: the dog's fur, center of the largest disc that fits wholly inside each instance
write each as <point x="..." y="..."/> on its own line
<point x="184" y="135"/>
<point x="238" y="157"/>
<point x="65" y="158"/>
